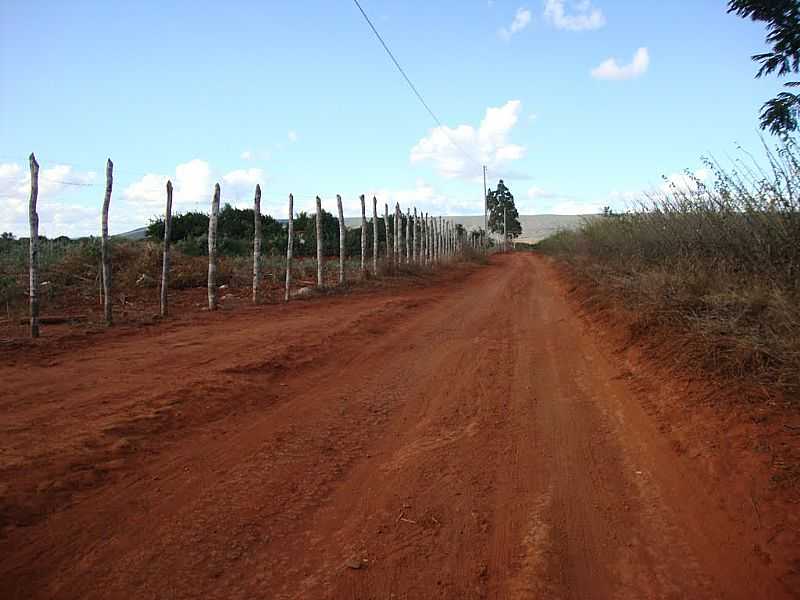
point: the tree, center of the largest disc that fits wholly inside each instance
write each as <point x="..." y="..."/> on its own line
<point x="500" y="199"/>
<point x="780" y="114"/>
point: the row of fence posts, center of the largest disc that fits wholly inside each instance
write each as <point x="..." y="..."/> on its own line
<point x="423" y="240"/>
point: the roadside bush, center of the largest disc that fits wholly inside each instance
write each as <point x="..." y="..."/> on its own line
<point x="719" y="263"/>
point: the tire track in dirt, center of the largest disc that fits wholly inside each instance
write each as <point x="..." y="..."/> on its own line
<point x="464" y="440"/>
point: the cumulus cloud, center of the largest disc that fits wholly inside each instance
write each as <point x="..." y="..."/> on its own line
<point x="193" y="187"/>
<point x="522" y="19"/>
<point x="240" y="185"/>
<point x="69" y="200"/>
<point x="610" y="69"/>
<point x="191" y="183"/>
<point x="246" y="155"/>
<point x="487" y="144"/>
<point x="57" y="214"/>
<point x="426" y="198"/>
<point x="573" y="16"/>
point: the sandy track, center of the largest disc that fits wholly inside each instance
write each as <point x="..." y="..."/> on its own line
<point x="468" y="439"/>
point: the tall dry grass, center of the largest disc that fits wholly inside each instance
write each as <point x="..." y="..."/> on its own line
<point x="716" y="263"/>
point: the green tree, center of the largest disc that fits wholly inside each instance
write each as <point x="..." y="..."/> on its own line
<point x="782" y="17"/>
<point x="500" y="199"/>
<point x="306" y="223"/>
<point x="235" y="231"/>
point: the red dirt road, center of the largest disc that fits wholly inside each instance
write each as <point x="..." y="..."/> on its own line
<point x="470" y="438"/>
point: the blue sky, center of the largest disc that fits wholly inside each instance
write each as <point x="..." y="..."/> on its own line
<point x="575" y="104"/>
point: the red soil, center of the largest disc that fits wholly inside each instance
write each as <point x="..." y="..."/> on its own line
<point x="472" y="437"/>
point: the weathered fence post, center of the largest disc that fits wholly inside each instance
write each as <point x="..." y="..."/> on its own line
<point x="438" y="244"/>
<point x="423" y="234"/>
<point x="289" y="248"/>
<point x="256" y="243"/>
<point x="167" y="240"/>
<point x="320" y="281"/>
<point x="408" y="236"/>
<point x="434" y="240"/>
<point x="363" y="237"/>
<point x="105" y="250"/>
<point x="448" y="242"/>
<point x="398" y="237"/>
<point x="443" y="227"/>
<point x="33" y="254"/>
<point x="374" y="236"/>
<point x="341" y="239"/>
<point x="386" y="223"/>
<point x="212" y="250"/>
<point x="414" y="237"/>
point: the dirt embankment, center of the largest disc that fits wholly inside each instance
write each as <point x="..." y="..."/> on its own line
<point x="471" y="438"/>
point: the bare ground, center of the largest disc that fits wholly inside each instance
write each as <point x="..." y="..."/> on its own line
<point x="474" y="437"/>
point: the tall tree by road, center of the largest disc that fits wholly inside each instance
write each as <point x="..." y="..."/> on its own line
<point x="500" y="199"/>
<point x="782" y="17"/>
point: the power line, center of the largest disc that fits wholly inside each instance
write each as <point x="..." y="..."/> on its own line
<point x="412" y="86"/>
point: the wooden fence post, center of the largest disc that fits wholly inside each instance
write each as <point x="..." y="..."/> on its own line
<point x="423" y="235"/>
<point x="408" y="236"/>
<point x="374" y="236"/>
<point x="443" y="238"/>
<point x="386" y="223"/>
<point x="320" y="281"/>
<point x="434" y="240"/>
<point x="212" y="250"/>
<point x="167" y="240"/>
<point x="105" y="250"/>
<point x="398" y="234"/>
<point x="256" y="243"/>
<point x="289" y="248"/>
<point x="363" y="237"/>
<point x="414" y="237"/>
<point x="33" y="253"/>
<point x="341" y="239"/>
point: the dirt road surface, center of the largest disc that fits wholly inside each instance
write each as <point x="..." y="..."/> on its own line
<point x="467" y="438"/>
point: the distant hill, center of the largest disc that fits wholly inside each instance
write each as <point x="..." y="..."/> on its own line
<point x="534" y="227"/>
<point x="134" y="234"/>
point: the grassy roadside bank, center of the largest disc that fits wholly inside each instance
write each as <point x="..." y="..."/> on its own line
<point x="714" y="261"/>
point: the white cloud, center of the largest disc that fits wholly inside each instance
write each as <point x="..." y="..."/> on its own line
<point x="57" y="216"/>
<point x="609" y="69"/>
<point x="423" y="196"/>
<point x="488" y="144"/>
<point x="292" y="135"/>
<point x="246" y="155"/>
<point x="522" y="19"/>
<point x="193" y="188"/>
<point x="584" y="16"/>
<point x="239" y="185"/>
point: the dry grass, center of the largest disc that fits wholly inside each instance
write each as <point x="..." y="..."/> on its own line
<point x="719" y="265"/>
